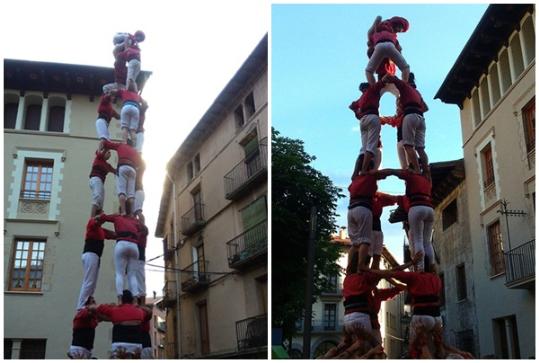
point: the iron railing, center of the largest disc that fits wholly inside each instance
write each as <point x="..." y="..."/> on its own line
<point x="246" y="172"/>
<point x="36" y="195"/>
<point x="193" y="220"/>
<point x="321" y="326"/>
<point x="194" y="276"/>
<point x="252" y="332"/>
<point x="520" y="263"/>
<point x="248" y="245"/>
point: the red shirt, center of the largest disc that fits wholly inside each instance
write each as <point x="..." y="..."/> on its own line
<point x="127" y="155"/>
<point x="420" y="283"/>
<point x="404" y="202"/>
<point x="409" y="96"/>
<point x="394" y="121"/>
<point x="120" y="313"/>
<point x="142" y="235"/>
<point x="132" y="52"/>
<point x="418" y="189"/>
<point x="105" y="109"/>
<point x="380" y="201"/>
<point x="100" y="167"/>
<point x="358" y="284"/>
<point x="85" y="319"/>
<point x="375" y="302"/>
<point x="369" y="101"/>
<point x="125" y="227"/>
<point x="126" y="95"/>
<point x="363" y="187"/>
<point x="120" y="69"/>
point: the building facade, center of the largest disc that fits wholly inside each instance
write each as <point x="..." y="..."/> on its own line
<point x="493" y="83"/>
<point x="213" y="218"/>
<point x="158" y="327"/>
<point x="451" y="241"/>
<point x="49" y="144"/>
<point x="328" y="312"/>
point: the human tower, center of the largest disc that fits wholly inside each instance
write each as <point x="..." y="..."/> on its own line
<point x="129" y="316"/>
<point x="362" y="298"/>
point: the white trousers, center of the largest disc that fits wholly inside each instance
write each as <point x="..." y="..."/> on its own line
<point x="377" y="243"/>
<point x="360" y="225"/>
<point x="129" y="116"/>
<point x="133" y="69"/>
<point x="421" y="219"/>
<point x="370" y="133"/>
<point x="102" y="129"/>
<point x="125" y="181"/>
<point x="90" y="271"/>
<point x="139" y="199"/>
<point x="140" y="141"/>
<point x="98" y="191"/>
<point x="413" y="130"/>
<point x="386" y="50"/>
<point x="425" y="322"/>
<point x="125" y="257"/>
<point x="141" y="278"/>
<point x="357" y="321"/>
<point x="77" y="352"/>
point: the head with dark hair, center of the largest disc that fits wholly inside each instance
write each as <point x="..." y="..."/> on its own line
<point x="130" y="142"/>
<point x="127" y="297"/>
<point x="363" y="86"/>
<point x="90" y="301"/>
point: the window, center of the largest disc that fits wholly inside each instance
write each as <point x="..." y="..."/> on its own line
<point x="330" y="316"/>
<point x="196" y="164"/>
<point x="56" y="119"/>
<point x="332" y="283"/>
<point x="476" y="108"/>
<point x="506" y="337"/>
<point x="33" y="117"/>
<point x="528" y="118"/>
<point x="37" y="182"/>
<point x="488" y="167"/>
<point x="461" y="282"/>
<point x="8" y="345"/>
<point x="252" y="153"/>
<point x="190" y="171"/>
<point x="203" y="327"/>
<point x="528" y="35"/>
<point x="33" y="349"/>
<point x="238" y="116"/>
<point x="505" y="73"/>
<point x="485" y="101"/>
<point x="11" y="106"/>
<point x="449" y="215"/>
<point x="250" y="105"/>
<point x="465" y="341"/>
<point x="516" y="51"/>
<point x="254" y="213"/>
<point x="197" y="203"/>
<point x="494" y="83"/>
<point x="27" y="268"/>
<point x="495" y="248"/>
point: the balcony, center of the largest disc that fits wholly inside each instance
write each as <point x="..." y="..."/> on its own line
<point x="520" y="266"/>
<point x="246" y="174"/>
<point x="194" y="276"/>
<point x="332" y="292"/>
<point x="193" y="220"/>
<point x="321" y="326"/>
<point x="252" y="332"/>
<point x="248" y="248"/>
<point x="169" y="294"/>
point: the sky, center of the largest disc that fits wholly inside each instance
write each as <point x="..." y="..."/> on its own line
<point x="193" y="48"/>
<point x="318" y="60"/>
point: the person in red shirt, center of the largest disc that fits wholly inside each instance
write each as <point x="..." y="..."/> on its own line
<point x="126" y="319"/>
<point x="140" y="264"/>
<point x="424" y="289"/>
<point x="421" y="213"/>
<point x="366" y="111"/>
<point x="383" y="37"/>
<point x="128" y="162"/>
<point x="127" y="45"/>
<point x="126" y="252"/>
<point x="94" y="242"/>
<point x="84" y="324"/>
<point x="146" y="340"/>
<point x="360" y="220"/>
<point x="130" y="112"/>
<point x="412" y="107"/>
<point x="140" y="129"/>
<point x="98" y="174"/>
<point x="139" y="191"/>
<point x="105" y="112"/>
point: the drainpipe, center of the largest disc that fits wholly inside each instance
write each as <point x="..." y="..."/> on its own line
<point x="176" y="265"/>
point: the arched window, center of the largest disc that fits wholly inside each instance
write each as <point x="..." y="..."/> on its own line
<point x="56" y="114"/>
<point x="11" y="106"/>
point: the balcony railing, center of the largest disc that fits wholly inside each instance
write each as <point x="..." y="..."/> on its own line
<point x="194" y="276"/>
<point x="36" y="195"/>
<point x="520" y="266"/>
<point x="252" y="332"/>
<point x="335" y="291"/>
<point x="245" y="249"/>
<point x="169" y="294"/>
<point x="321" y="326"/>
<point x="245" y="174"/>
<point x="193" y="220"/>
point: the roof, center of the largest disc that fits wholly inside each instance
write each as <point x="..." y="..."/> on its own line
<point x="492" y="32"/>
<point x="47" y="77"/>
<point x="225" y="101"/>
<point x="446" y="176"/>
